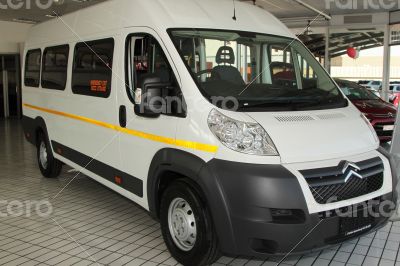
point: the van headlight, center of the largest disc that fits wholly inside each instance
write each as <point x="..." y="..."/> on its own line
<point x="249" y="138"/>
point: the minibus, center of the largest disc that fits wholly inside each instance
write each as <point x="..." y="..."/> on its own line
<point x="211" y="116"/>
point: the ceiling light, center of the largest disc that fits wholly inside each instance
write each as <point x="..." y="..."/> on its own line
<point x="25" y="20"/>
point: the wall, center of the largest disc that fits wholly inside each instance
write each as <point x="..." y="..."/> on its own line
<point x="12" y="34"/>
<point x="368" y="66"/>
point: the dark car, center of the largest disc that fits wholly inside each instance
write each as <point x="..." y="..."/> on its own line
<point x="381" y="114"/>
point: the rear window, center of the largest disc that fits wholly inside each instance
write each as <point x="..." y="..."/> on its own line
<point x="32" y="68"/>
<point x="55" y="64"/>
<point x="92" y="69"/>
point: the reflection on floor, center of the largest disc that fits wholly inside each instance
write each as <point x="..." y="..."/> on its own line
<point x="90" y="224"/>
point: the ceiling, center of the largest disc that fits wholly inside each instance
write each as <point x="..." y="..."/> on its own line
<point x="290" y="9"/>
<point x="281" y="8"/>
<point x="339" y="42"/>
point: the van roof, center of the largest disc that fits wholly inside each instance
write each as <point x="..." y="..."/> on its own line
<point x="159" y="15"/>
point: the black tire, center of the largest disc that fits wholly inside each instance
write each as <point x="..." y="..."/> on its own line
<point x="205" y="250"/>
<point x="53" y="167"/>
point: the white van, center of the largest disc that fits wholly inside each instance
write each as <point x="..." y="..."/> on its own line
<point x="224" y="128"/>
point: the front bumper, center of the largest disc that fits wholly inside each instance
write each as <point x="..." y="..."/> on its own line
<point x="246" y="198"/>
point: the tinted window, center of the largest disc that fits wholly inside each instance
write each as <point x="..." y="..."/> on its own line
<point x="54" y="70"/>
<point x="32" y="68"/>
<point x="92" y="72"/>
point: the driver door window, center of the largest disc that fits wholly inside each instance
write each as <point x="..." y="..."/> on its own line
<point x="147" y="59"/>
<point x="308" y="76"/>
<point x="282" y="67"/>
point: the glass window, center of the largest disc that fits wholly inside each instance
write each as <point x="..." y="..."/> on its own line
<point x="54" y="69"/>
<point x="92" y="69"/>
<point x="261" y="72"/>
<point x="32" y="68"/>
<point x="146" y="59"/>
<point x="149" y="59"/>
<point x="308" y="76"/>
<point x="356" y="92"/>
<point x="282" y="66"/>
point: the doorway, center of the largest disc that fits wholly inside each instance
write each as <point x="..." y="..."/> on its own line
<point x="10" y="89"/>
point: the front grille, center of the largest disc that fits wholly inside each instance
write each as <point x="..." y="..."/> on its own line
<point x="384" y="115"/>
<point x="329" y="184"/>
<point x="379" y="128"/>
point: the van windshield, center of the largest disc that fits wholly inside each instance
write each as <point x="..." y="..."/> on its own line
<point x="260" y="72"/>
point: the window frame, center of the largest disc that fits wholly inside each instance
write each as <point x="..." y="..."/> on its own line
<point x="74" y="61"/>
<point x="40" y="66"/>
<point x="44" y="65"/>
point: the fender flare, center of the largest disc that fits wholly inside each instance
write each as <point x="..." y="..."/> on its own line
<point x="196" y="170"/>
<point x="170" y="160"/>
<point x="31" y="127"/>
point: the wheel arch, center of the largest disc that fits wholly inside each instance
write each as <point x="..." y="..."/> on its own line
<point x="172" y="163"/>
<point x="32" y="127"/>
<point x="168" y="165"/>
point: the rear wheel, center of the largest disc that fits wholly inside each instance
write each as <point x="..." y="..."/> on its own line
<point x="49" y="166"/>
<point x="187" y="226"/>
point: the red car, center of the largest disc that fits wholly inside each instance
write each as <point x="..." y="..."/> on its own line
<point x="381" y="114"/>
<point x="394" y="93"/>
<point x="396" y="101"/>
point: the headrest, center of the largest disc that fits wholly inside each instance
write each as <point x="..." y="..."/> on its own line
<point x="225" y="55"/>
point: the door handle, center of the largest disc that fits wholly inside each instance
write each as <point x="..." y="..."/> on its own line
<point x="122" y="116"/>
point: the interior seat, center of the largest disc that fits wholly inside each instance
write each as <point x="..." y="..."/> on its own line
<point x="225" y="58"/>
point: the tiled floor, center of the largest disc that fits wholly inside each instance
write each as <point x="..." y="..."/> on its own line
<point x="91" y="225"/>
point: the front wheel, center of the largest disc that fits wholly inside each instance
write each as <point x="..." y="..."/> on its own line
<point x="187" y="226"/>
<point x="49" y="166"/>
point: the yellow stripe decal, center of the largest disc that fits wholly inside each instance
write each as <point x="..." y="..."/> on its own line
<point x="170" y="141"/>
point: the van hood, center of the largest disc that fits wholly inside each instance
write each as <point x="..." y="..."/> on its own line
<point x="317" y="135"/>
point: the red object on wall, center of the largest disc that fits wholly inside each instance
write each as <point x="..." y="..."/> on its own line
<point x="352" y="52"/>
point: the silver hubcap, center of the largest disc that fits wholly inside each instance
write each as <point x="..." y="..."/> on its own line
<point x="182" y="224"/>
<point x="43" y="155"/>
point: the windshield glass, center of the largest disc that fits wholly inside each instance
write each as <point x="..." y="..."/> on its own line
<point x="261" y="72"/>
<point x="356" y="92"/>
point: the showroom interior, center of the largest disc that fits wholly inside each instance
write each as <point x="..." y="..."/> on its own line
<point x="74" y="220"/>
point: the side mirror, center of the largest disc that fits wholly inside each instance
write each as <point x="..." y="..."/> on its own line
<point x="150" y="98"/>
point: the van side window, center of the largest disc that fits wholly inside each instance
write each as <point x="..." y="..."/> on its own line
<point x="146" y="58"/>
<point x="32" y="68"/>
<point x="92" y="69"/>
<point x="54" y="69"/>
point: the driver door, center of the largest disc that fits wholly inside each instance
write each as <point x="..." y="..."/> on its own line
<point x="143" y="136"/>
